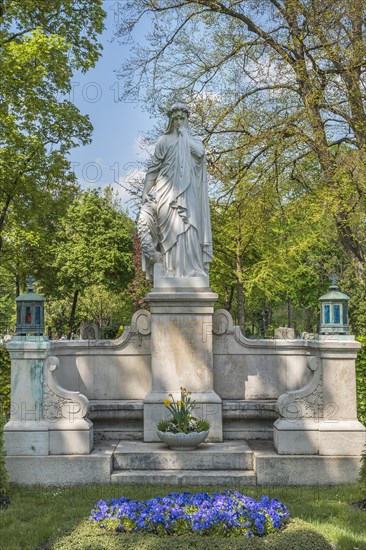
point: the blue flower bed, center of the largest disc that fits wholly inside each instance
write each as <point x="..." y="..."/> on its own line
<point x="227" y="513"/>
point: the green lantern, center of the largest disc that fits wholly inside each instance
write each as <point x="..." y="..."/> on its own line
<point x="30" y="312"/>
<point x="334" y="311"/>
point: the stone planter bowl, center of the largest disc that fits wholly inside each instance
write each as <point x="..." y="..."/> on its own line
<point x="181" y="441"/>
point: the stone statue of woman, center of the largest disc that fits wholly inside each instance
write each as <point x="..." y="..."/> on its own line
<point x="174" y="222"/>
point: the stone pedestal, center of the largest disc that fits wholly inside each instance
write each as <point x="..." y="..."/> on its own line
<point x="181" y="352"/>
<point x="321" y="417"/>
<point x="46" y="419"/>
<point x="26" y="433"/>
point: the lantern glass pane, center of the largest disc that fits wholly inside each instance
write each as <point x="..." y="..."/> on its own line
<point x="38" y="315"/>
<point x="336" y="313"/>
<point x="327" y="315"/>
<point x="28" y="314"/>
<point x="345" y="313"/>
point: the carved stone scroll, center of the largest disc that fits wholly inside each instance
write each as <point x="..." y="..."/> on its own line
<point x="306" y="402"/>
<point x="222" y="322"/>
<point x="141" y="322"/>
<point x="59" y="403"/>
<point x="70" y="432"/>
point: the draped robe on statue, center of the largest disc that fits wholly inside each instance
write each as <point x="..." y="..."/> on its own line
<point x="178" y="172"/>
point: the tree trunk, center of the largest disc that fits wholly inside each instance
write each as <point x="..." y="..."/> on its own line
<point x="289" y="312"/>
<point x="240" y="305"/>
<point x="266" y="319"/>
<point x="350" y="245"/>
<point x="72" y="314"/>
<point x="17" y="285"/>
<point x="229" y="299"/>
<point x="100" y="314"/>
<point x="309" y="320"/>
<point x="239" y="284"/>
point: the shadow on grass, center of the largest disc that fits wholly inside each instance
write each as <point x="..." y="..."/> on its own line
<point x="329" y="511"/>
<point x="88" y="536"/>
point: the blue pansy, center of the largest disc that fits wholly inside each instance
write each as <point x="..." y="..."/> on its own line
<point x="197" y="512"/>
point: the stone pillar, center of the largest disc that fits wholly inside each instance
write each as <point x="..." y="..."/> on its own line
<point x="26" y="433"/>
<point x="46" y="419"/>
<point x="321" y="417"/>
<point x="340" y="432"/>
<point x="181" y="353"/>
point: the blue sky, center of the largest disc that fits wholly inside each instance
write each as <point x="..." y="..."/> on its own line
<point x="118" y="126"/>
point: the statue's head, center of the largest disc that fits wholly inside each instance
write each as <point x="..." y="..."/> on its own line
<point x="178" y="116"/>
<point x="178" y="107"/>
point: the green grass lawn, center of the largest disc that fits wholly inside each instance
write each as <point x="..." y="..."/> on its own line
<point x="55" y="519"/>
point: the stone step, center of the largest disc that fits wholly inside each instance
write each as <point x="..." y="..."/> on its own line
<point x="137" y="455"/>
<point x="232" y="478"/>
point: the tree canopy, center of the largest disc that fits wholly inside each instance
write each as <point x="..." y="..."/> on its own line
<point x="270" y="78"/>
<point x="41" y="44"/>
<point x="93" y="248"/>
<point x="276" y="89"/>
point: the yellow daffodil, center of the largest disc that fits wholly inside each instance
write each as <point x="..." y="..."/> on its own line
<point x="166" y="402"/>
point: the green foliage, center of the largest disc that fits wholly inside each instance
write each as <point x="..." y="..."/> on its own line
<point x="7" y="302"/>
<point x="284" y="152"/>
<point x="278" y="249"/>
<point x="94" y="246"/>
<point x="361" y="384"/>
<point x="202" y="425"/>
<point x="111" y="331"/>
<point x="41" y="44"/>
<point x="5" y="382"/>
<point x="4" y="480"/>
<point x="362" y="474"/>
<point x="140" y="286"/>
<point x="163" y="425"/>
<point x="92" y="265"/>
<point x="182" y="419"/>
<point x="120" y="330"/>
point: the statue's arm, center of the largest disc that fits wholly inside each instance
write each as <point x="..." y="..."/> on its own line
<point x="197" y="148"/>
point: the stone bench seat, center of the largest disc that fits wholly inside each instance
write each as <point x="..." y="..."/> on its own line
<point x="117" y="419"/>
<point x="123" y="419"/>
<point x="249" y="420"/>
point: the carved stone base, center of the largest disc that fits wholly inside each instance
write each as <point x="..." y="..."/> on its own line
<point x="26" y="438"/>
<point x="74" y="438"/>
<point x="298" y="438"/>
<point x="343" y="438"/>
<point x="161" y="281"/>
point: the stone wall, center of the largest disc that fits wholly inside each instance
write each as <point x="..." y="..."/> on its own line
<point x="108" y="369"/>
<point x="244" y="369"/>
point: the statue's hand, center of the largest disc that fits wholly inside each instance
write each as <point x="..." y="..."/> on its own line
<point x="157" y="257"/>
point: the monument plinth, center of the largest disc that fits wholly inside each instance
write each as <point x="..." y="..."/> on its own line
<point x="182" y="356"/>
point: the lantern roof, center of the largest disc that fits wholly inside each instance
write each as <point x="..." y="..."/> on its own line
<point x="30" y="295"/>
<point x="333" y="294"/>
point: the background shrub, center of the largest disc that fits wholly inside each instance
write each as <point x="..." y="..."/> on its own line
<point x="4" y="382"/>
<point x="361" y="380"/>
<point x="4" y="481"/>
